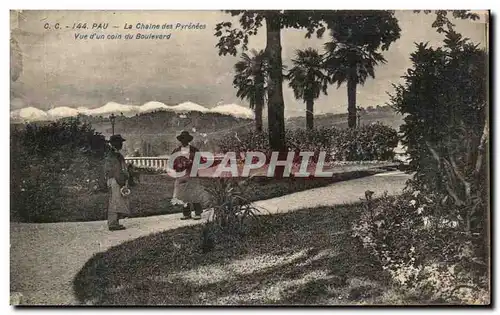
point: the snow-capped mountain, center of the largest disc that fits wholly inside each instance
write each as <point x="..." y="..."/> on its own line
<point x="63" y="111"/>
<point x="28" y="114"/>
<point x="188" y="107"/>
<point x="33" y="114"/>
<point x="234" y="110"/>
<point x="83" y="110"/>
<point x="114" y="108"/>
<point x="152" y="106"/>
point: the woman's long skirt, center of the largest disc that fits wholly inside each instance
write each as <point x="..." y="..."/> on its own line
<point x="189" y="190"/>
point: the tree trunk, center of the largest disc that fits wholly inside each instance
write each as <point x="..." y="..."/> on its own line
<point x="258" y="117"/>
<point x="275" y="106"/>
<point x="351" y="102"/>
<point x="310" y="114"/>
<point x="259" y="103"/>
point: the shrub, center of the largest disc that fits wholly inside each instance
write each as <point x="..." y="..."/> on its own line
<point x="51" y="164"/>
<point x="231" y="210"/>
<point x="370" y="142"/>
<point x="446" y="131"/>
<point x="422" y="244"/>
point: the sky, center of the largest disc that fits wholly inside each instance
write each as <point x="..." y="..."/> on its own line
<point x="59" y="70"/>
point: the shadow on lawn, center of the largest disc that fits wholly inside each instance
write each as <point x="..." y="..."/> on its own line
<point x="297" y="258"/>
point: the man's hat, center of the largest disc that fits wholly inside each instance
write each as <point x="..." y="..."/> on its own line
<point x="116" y="138"/>
<point x="185" y="136"/>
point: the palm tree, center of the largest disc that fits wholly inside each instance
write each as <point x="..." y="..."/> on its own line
<point x="250" y="81"/>
<point x="347" y="62"/>
<point x="308" y="80"/>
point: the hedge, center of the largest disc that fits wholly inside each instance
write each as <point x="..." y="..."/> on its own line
<point x="367" y="143"/>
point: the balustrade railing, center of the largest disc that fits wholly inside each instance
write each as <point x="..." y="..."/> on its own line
<point x="154" y="162"/>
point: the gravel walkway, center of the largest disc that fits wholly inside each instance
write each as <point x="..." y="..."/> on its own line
<point x="45" y="257"/>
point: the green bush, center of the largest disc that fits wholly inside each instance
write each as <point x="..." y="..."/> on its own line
<point x="422" y="243"/>
<point x="370" y="142"/>
<point x="232" y="210"/>
<point x="446" y="131"/>
<point x="51" y="164"/>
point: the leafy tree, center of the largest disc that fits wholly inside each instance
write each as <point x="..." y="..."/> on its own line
<point x="446" y="128"/>
<point x="352" y="54"/>
<point x="308" y="80"/>
<point x="250" y="81"/>
<point x="251" y="21"/>
<point x="442" y="18"/>
<point x="380" y="29"/>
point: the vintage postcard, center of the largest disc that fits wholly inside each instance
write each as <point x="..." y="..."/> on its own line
<point x="291" y="157"/>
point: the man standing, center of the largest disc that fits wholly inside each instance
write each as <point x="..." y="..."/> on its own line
<point x="117" y="176"/>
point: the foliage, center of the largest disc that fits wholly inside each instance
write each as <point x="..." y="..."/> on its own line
<point x="231" y="208"/>
<point x="383" y="29"/>
<point x="250" y="81"/>
<point x="434" y="239"/>
<point x="341" y="58"/>
<point x="230" y="204"/>
<point x="446" y="129"/>
<point x="308" y="80"/>
<point x="443" y="21"/>
<point x="51" y="163"/>
<point x="424" y="246"/>
<point x="250" y="76"/>
<point x="381" y="23"/>
<point x="351" y="55"/>
<point x="370" y="142"/>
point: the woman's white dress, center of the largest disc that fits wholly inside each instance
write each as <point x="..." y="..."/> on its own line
<point x="188" y="189"/>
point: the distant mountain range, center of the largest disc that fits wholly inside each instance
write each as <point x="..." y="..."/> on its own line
<point x="35" y="114"/>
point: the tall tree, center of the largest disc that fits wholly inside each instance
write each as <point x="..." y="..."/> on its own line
<point x="251" y="21"/>
<point x="250" y="82"/>
<point x="351" y="64"/>
<point x="381" y="30"/>
<point x="308" y="80"/>
<point x="353" y="53"/>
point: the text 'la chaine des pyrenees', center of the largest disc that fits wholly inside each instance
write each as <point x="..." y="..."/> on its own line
<point x="166" y="26"/>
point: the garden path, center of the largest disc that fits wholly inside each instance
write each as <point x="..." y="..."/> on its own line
<point x="45" y="257"/>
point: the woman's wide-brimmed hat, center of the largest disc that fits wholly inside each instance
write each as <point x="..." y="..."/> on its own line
<point x="185" y="136"/>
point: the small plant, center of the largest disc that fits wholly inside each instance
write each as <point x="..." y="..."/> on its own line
<point x="231" y="211"/>
<point x="230" y="206"/>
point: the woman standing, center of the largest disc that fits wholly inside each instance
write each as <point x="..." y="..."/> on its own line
<point x="117" y="176"/>
<point x="186" y="188"/>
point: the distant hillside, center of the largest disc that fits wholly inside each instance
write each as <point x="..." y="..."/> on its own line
<point x="154" y="133"/>
<point x="383" y="114"/>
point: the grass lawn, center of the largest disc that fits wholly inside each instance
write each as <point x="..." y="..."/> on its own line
<point x="152" y="196"/>
<point x="303" y="257"/>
